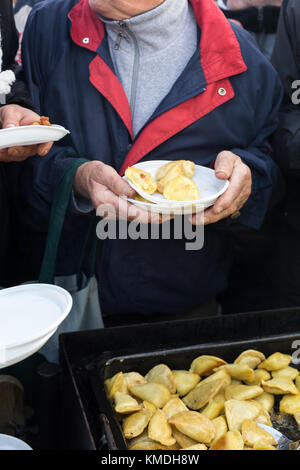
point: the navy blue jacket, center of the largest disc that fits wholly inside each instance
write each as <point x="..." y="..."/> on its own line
<point x="71" y="78"/>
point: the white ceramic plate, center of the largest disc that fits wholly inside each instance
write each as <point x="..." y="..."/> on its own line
<point x="30" y="135"/>
<point x="209" y="186"/>
<point x="29" y="315"/>
<point x="12" y="443"/>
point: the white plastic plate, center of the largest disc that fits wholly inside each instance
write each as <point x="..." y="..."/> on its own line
<point x="30" y="135"/>
<point x="12" y="443"/>
<point x="29" y="315"/>
<point x="209" y="186"/>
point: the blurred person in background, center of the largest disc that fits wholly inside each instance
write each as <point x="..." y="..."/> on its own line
<point x="284" y="266"/>
<point x="259" y="17"/>
<point x="15" y="110"/>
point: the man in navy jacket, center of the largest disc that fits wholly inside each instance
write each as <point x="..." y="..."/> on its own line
<point x="219" y="111"/>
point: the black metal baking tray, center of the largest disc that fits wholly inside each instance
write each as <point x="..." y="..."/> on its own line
<point x="89" y="357"/>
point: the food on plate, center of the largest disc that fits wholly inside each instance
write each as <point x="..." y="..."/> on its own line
<point x="137" y="197"/>
<point x="141" y="179"/>
<point x="160" y="430"/>
<point x="275" y="362"/>
<point x="252" y="434"/>
<point x="125" y="404"/>
<point x="181" y="188"/>
<point x="232" y="440"/>
<point x="188" y="168"/>
<point x="157" y="394"/>
<point x="44" y="121"/>
<point x="171" y="174"/>
<point x="161" y="374"/>
<point x="214" y="405"/>
<point x="194" y="425"/>
<point x="204" y="365"/>
<point x="185" y="381"/>
<point x="135" y="424"/>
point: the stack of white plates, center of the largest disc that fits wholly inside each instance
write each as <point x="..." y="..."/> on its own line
<point x="209" y="186"/>
<point x="29" y="315"/>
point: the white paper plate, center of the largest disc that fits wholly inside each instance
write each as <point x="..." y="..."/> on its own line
<point x="12" y="443"/>
<point x="209" y="186"/>
<point x="31" y="135"/>
<point x="29" y="315"/>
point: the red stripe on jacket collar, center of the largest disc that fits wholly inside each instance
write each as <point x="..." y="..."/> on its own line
<point x="220" y="50"/>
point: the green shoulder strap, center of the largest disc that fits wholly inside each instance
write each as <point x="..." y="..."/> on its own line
<point x="57" y="217"/>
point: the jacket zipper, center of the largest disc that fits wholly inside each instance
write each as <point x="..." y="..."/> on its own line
<point x="136" y="62"/>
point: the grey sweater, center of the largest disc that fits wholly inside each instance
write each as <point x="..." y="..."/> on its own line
<point x="149" y="53"/>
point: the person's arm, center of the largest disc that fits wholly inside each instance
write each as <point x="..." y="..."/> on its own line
<point x="286" y="60"/>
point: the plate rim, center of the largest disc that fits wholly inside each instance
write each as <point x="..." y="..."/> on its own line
<point x="177" y="204"/>
<point x="56" y="323"/>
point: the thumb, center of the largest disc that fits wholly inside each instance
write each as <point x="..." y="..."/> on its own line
<point x="10" y="118"/>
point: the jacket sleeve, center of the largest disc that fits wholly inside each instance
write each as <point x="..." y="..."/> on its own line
<point x="38" y="176"/>
<point x="286" y="60"/>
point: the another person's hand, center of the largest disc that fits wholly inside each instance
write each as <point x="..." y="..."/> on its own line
<point x="104" y="187"/>
<point x="13" y="115"/>
<point x="228" y="166"/>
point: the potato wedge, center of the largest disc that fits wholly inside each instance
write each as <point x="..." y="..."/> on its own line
<point x="259" y="376"/>
<point x="242" y="392"/>
<point x="196" y="447"/>
<point x="141" y="179"/>
<point x="286" y="373"/>
<point x="174" y="406"/>
<point x="185" y="381"/>
<point x="266" y="400"/>
<point x="161" y="374"/>
<point x="236" y="411"/>
<point x="194" y="425"/>
<point x="280" y="386"/>
<point x="157" y="394"/>
<point x="251" y="358"/>
<point x="220" y="425"/>
<point x="135" y="423"/>
<point x="202" y="394"/>
<point x="134" y="378"/>
<point x="276" y="361"/>
<point x="232" y="440"/>
<point x="182" y="439"/>
<point x="290" y="404"/>
<point x="160" y="430"/>
<point x="115" y="384"/>
<point x="204" y="365"/>
<point x="240" y="372"/>
<point x="125" y="404"/>
<point x="214" y="407"/>
<point x="253" y="433"/>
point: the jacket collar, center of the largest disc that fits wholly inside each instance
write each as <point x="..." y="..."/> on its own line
<point x="220" y="51"/>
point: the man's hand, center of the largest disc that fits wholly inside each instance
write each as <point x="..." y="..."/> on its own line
<point x="228" y="166"/>
<point x="104" y="187"/>
<point x="13" y="115"/>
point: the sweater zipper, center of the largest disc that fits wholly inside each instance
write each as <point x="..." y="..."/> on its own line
<point x="136" y="61"/>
